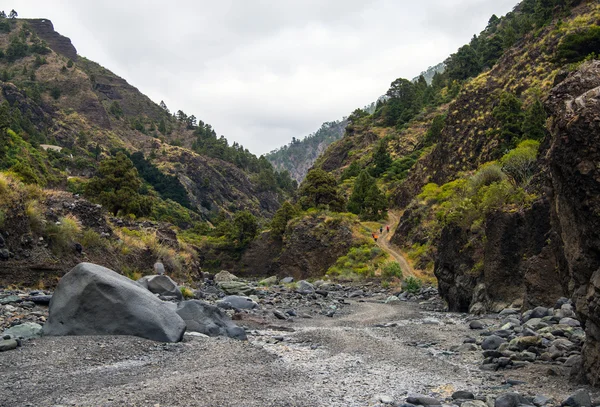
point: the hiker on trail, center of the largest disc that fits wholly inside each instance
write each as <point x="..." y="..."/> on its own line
<point x="381" y="229"/>
<point x="387" y="228"/>
<point x="375" y="237"/>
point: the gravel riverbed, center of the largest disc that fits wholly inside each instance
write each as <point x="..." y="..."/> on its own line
<point x="371" y="354"/>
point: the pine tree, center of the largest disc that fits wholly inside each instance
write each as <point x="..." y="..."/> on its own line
<point x="381" y="159"/>
<point x="509" y="114"/>
<point x="284" y="214"/>
<point x="534" y="121"/>
<point x="367" y="200"/>
<point x="117" y="187"/>
<point x="319" y="190"/>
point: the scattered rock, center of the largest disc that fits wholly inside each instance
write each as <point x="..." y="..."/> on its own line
<point x="269" y="281"/>
<point x="208" y="319"/>
<point x="581" y="398"/>
<point x="492" y="342"/>
<point x="161" y="285"/>
<point x="511" y="400"/>
<point x="476" y="324"/>
<point x="422" y="400"/>
<point x="236" y="288"/>
<point x="287" y="280"/>
<point x="8" y="344"/>
<point x="463" y="395"/>
<point x="27" y="330"/>
<point x="237" y="302"/>
<point x="224" y="276"/>
<point x="279" y="315"/>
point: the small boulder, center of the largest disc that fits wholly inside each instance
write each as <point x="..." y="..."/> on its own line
<point x="570" y="322"/>
<point x="511" y="400"/>
<point x="492" y="342"/>
<point x="236" y="288"/>
<point x="474" y="403"/>
<point x="462" y="395"/>
<point x="27" y="330"/>
<point x="421" y="400"/>
<point x="476" y="324"/>
<point x="581" y="398"/>
<point x="237" y="302"/>
<point x="268" y="281"/>
<point x="224" y="276"/>
<point x="8" y="344"/>
<point x="208" y="319"/>
<point x="93" y="300"/>
<point x="304" y="287"/>
<point x="287" y="280"/>
<point x="539" y="312"/>
<point x="161" y="285"/>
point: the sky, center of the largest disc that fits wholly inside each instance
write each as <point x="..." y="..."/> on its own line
<point x="264" y="71"/>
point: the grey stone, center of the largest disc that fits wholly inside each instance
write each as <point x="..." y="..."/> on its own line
<point x="93" y="300"/>
<point x="422" y="400"/>
<point x="287" y="280"/>
<point x="236" y="288"/>
<point x="208" y="319"/>
<point x="474" y="403"/>
<point x="304" y="287"/>
<point x="463" y="395"/>
<point x="40" y="299"/>
<point x="161" y="285"/>
<point x="581" y="398"/>
<point x="476" y="324"/>
<point x="279" y="315"/>
<point x="8" y="344"/>
<point x="357" y="293"/>
<point x="159" y="268"/>
<point x="492" y="342"/>
<point x="468" y="347"/>
<point x="237" y="302"/>
<point x="541" y="400"/>
<point x="508" y="311"/>
<point x="539" y="312"/>
<point x="268" y="281"/>
<point x="10" y="299"/>
<point x="392" y="299"/>
<point x="384" y="398"/>
<point x="27" y="330"/>
<point x="511" y="400"/>
<point x="570" y="322"/>
<point x="4" y="254"/>
<point x="224" y="276"/>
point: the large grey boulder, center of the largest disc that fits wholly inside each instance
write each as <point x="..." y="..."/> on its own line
<point x="225" y="276"/>
<point x="208" y="319"/>
<point x="93" y="300"/>
<point x="161" y="285"/>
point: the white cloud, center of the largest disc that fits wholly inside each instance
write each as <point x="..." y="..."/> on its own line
<point x="262" y="71"/>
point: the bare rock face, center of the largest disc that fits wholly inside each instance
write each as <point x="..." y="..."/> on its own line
<point x="518" y="265"/>
<point x="59" y="44"/>
<point x="573" y="158"/>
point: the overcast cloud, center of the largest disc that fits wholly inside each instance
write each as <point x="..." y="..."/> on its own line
<point x="264" y="71"/>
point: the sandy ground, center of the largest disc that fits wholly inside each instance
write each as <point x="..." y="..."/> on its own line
<point x="340" y="361"/>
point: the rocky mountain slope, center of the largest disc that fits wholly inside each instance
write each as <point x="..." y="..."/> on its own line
<point x="480" y="162"/>
<point x="73" y="135"/>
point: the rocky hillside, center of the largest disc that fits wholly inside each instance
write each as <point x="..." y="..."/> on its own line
<point x="299" y="156"/>
<point x="479" y="163"/>
<point x="91" y="162"/>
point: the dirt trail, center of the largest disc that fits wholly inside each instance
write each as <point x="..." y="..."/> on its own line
<point x="373" y="349"/>
<point x="384" y="243"/>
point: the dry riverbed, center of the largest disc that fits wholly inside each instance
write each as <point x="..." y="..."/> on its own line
<point x="370" y="354"/>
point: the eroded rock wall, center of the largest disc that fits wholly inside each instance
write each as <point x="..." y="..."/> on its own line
<point x="573" y="158"/>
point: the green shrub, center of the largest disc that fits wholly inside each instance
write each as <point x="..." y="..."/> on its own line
<point x="91" y="240"/>
<point x="576" y="46"/>
<point x="412" y="284"/>
<point x="391" y="270"/>
<point x="519" y="163"/>
<point x="486" y="175"/>
<point x="63" y="234"/>
<point x="187" y="293"/>
<point x="33" y="211"/>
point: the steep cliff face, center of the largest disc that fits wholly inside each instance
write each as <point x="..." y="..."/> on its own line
<point x="512" y="261"/>
<point x="573" y="158"/>
<point x="58" y="43"/>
